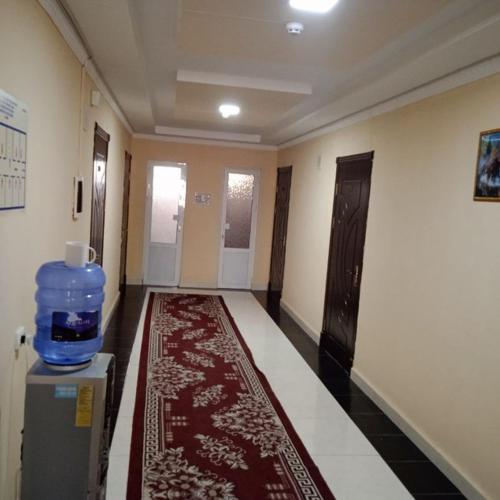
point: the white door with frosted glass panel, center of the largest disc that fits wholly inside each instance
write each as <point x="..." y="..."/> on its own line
<point x="166" y="197"/>
<point x="239" y="218"/>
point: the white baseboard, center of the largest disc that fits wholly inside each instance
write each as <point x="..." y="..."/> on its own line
<point x="134" y="281"/>
<point x="259" y="288"/>
<point x="298" y="319"/>
<point x="458" y="478"/>
<point x="205" y="286"/>
<point x="107" y="319"/>
<point x="201" y="286"/>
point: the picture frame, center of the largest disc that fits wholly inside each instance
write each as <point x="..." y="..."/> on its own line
<point x="487" y="179"/>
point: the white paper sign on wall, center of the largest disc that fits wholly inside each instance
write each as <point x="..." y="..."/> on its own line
<point x="202" y="198"/>
<point x="13" y="152"/>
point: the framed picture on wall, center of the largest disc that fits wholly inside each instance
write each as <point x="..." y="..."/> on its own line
<point x="487" y="184"/>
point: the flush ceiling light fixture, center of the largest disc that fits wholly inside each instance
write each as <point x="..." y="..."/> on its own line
<point x="228" y="110"/>
<point x="318" y="6"/>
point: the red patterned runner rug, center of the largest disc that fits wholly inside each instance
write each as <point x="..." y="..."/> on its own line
<point x="206" y="423"/>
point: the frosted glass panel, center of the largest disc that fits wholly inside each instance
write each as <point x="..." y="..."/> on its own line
<point x="167" y="189"/>
<point x="239" y="210"/>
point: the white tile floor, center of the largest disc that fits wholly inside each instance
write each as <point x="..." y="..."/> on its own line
<point x="351" y="466"/>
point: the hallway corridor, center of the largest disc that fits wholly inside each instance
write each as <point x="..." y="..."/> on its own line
<point x="361" y="476"/>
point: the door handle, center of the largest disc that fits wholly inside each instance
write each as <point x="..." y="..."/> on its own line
<point x="356" y="276"/>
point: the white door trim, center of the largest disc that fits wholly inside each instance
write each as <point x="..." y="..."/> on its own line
<point x="253" y="229"/>
<point x="147" y="224"/>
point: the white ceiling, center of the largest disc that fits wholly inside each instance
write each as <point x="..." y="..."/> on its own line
<point x="170" y="63"/>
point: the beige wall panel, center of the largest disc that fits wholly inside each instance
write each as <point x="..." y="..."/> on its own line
<point x="38" y="68"/>
<point x="202" y="230"/>
<point x="428" y="337"/>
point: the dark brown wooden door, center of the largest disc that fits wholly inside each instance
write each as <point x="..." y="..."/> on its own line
<point x="101" y="141"/>
<point x="281" y="207"/>
<point x="345" y="264"/>
<point x="125" y="209"/>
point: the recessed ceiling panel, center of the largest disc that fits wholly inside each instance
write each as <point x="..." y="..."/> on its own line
<point x="361" y="53"/>
<point x="255" y="30"/>
<point x="259" y="108"/>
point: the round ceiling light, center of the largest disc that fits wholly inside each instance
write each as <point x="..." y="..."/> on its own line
<point x="228" y="110"/>
<point x="318" y="6"/>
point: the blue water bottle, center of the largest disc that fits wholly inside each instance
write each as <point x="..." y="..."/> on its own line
<point x="70" y="296"/>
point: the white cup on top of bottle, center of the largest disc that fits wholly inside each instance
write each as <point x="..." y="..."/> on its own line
<point x="77" y="254"/>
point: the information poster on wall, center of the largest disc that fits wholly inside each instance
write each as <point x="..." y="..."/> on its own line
<point x="13" y="141"/>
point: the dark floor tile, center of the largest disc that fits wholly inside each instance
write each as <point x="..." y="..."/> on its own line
<point x="422" y="477"/>
<point x="111" y="348"/>
<point x="119" y="351"/>
<point x="121" y="370"/>
<point x="119" y="380"/>
<point x="340" y="386"/>
<point x="124" y="325"/>
<point x="397" y="448"/>
<point x="375" y="424"/>
<point x="114" y="418"/>
<point x="117" y="400"/>
<point x="357" y="403"/>
<point x="122" y="328"/>
<point x="328" y="368"/>
<point x="120" y="342"/>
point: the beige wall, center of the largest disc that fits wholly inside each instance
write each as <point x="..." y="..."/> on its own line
<point x="428" y="335"/>
<point x="39" y="69"/>
<point x="205" y="173"/>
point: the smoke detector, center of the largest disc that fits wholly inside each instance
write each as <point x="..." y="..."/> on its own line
<point x="295" y="28"/>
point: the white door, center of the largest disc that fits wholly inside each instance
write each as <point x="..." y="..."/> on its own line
<point x="166" y="199"/>
<point x="239" y="218"/>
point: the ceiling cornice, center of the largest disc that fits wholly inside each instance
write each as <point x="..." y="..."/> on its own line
<point x="245" y="82"/>
<point x="464" y="76"/>
<point x="474" y="72"/>
<point x="68" y="31"/>
<point x="208" y="134"/>
<point x="205" y="142"/>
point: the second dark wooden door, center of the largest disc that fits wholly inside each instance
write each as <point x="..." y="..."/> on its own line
<point x="101" y="141"/>
<point x="125" y="210"/>
<point x="280" y="229"/>
<point x="345" y="264"/>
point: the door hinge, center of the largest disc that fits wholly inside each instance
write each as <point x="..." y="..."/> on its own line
<point x="336" y="189"/>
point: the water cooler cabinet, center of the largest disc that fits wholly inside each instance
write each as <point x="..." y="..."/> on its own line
<point x="67" y="431"/>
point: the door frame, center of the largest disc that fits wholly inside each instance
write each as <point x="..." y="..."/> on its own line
<point x="288" y="168"/>
<point x="327" y="343"/>
<point x="253" y="229"/>
<point x="127" y="172"/>
<point x="147" y="220"/>
<point x="104" y="136"/>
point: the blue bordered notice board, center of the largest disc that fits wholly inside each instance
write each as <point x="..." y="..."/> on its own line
<point x="13" y="149"/>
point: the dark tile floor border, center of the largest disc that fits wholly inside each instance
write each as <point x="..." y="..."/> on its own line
<point x="422" y="478"/>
